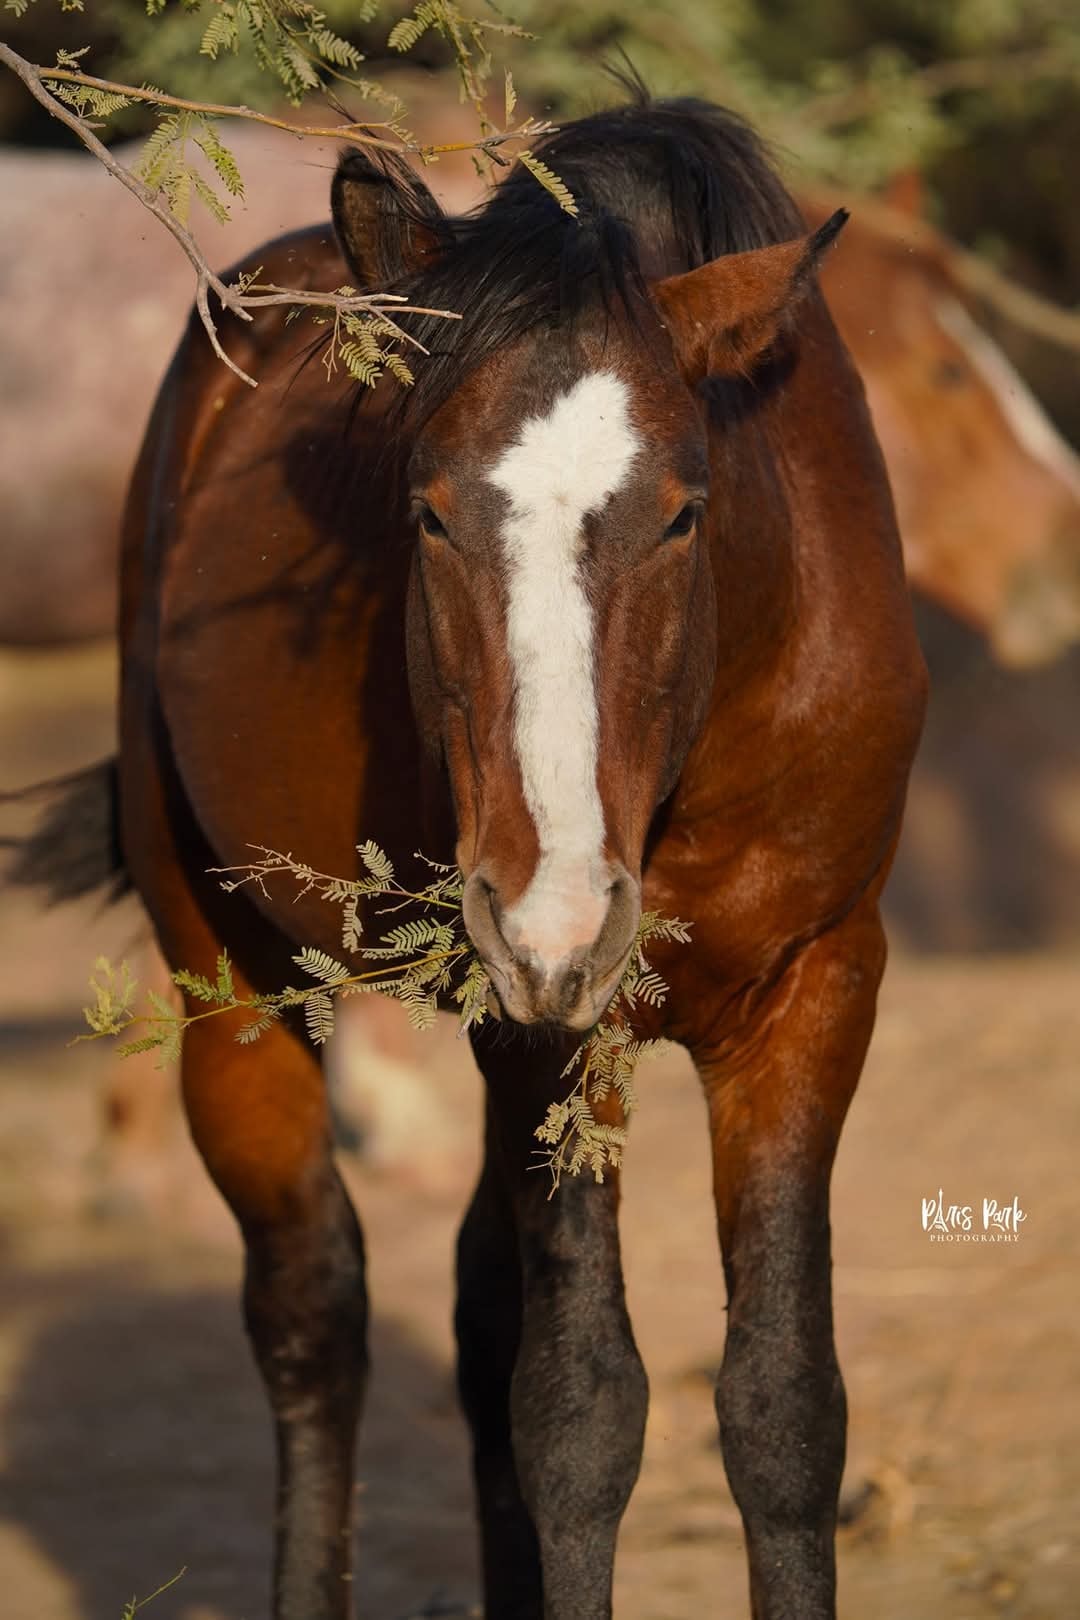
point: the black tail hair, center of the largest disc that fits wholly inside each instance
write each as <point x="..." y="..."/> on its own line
<point x="75" y="847"/>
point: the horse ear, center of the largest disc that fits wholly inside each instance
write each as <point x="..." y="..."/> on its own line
<point x="386" y="219"/>
<point x="724" y="316"/>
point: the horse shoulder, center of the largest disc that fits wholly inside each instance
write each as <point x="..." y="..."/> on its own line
<point x="789" y="804"/>
<point x="264" y="590"/>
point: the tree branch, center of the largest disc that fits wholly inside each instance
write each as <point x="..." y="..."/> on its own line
<point x="352" y="134"/>
<point x="238" y="300"/>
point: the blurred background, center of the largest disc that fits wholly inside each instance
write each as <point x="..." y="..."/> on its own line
<point x="132" y="1436"/>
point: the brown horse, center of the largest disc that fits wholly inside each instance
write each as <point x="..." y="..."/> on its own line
<point x="987" y="491"/>
<point x="610" y="610"/>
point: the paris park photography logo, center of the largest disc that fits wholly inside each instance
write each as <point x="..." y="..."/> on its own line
<point x="986" y="1222"/>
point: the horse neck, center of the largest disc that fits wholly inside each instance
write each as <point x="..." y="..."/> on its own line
<point x="752" y="534"/>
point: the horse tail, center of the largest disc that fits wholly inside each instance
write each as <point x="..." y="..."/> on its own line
<point x="75" y="846"/>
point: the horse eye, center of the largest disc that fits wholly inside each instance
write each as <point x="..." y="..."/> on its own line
<point x="680" y="528"/>
<point x="428" y="521"/>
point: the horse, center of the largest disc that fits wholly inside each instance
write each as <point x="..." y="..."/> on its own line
<point x="987" y="495"/>
<point x="987" y="491"/>
<point x="609" y="610"/>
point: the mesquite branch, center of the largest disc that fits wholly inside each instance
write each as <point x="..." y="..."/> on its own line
<point x="357" y="133"/>
<point x="240" y="301"/>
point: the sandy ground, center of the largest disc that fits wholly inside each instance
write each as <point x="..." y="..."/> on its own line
<point x="133" y="1439"/>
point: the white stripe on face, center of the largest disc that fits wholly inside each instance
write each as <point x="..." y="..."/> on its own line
<point x="1029" y="422"/>
<point x="561" y="466"/>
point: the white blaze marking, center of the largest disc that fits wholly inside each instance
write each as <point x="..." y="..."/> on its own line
<point x="561" y="467"/>
<point x="1030" y="423"/>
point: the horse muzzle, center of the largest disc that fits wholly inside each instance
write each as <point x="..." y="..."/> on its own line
<point x="569" y="988"/>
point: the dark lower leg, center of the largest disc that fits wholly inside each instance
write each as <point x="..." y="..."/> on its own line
<point x="776" y="1117"/>
<point x="259" y="1118"/>
<point x="578" y="1395"/>
<point x="306" y="1313"/>
<point x="488" y="1323"/>
<point x="781" y="1409"/>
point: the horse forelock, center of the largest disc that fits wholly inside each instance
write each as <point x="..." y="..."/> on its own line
<point x="659" y="187"/>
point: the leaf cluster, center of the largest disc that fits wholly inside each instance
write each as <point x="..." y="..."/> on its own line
<point x="355" y="345"/>
<point x="424" y="961"/>
<point x="468" y="37"/>
<point x="165" y="164"/>
<point x="292" y="41"/>
<point x="605" y="1062"/>
<point x="21" y="7"/>
<point x="419" y="962"/>
<point x="852" y="92"/>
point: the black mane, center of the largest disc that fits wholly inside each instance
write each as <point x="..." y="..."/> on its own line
<point x="661" y="188"/>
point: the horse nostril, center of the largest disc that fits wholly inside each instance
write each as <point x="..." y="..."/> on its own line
<point x="620" y="925"/>
<point x="497" y="913"/>
<point x="571" y="988"/>
<point x="483" y="921"/>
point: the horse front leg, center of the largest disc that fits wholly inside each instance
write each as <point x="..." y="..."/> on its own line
<point x="578" y="1395"/>
<point x="259" y="1118"/>
<point x="776" y="1109"/>
<point x="488" y="1326"/>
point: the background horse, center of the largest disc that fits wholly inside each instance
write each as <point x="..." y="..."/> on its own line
<point x="987" y="491"/>
<point x="648" y="646"/>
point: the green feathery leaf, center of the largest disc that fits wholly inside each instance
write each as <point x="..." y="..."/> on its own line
<point x="404" y="34"/>
<point x="222" y="33"/>
<point x="221" y="158"/>
<point x="319" y="965"/>
<point x="550" y="182"/>
<point x="258" y="1026"/>
<point x="376" y="862"/>
<point x="210" y="199"/>
<point x="319" y="1017"/>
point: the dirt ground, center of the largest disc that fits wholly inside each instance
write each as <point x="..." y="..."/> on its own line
<point x="133" y="1440"/>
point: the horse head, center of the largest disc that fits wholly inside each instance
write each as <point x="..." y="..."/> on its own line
<point x="562" y="621"/>
<point x="987" y="491"/>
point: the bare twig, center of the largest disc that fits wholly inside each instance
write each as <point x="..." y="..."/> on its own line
<point x="384" y="303"/>
<point x="356" y="133"/>
<point x="239" y="300"/>
<point x="205" y="277"/>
